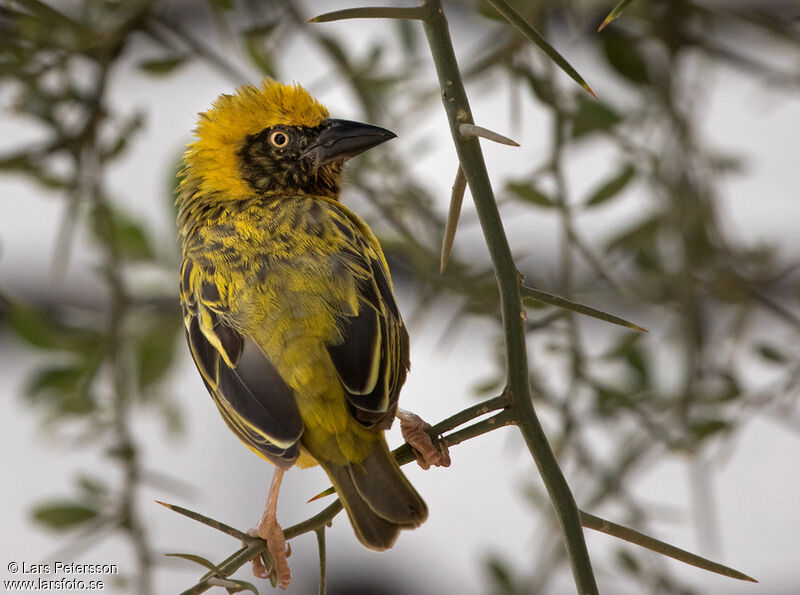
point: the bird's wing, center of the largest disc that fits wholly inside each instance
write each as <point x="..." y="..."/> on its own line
<point x="254" y="400"/>
<point x="372" y="357"/>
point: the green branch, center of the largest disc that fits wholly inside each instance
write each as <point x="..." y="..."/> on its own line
<point x="257" y="547"/>
<point x="470" y="157"/>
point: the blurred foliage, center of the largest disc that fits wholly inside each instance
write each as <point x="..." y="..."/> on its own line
<point x="717" y="308"/>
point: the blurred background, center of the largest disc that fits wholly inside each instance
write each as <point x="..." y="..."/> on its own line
<point x="671" y="201"/>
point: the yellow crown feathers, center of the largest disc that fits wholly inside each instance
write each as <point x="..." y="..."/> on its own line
<point x="221" y="130"/>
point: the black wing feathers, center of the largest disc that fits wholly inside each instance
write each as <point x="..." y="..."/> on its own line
<point x="372" y="359"/>
<point x="257" y="393"/>
<point x="354" y="356"/>
<point x="254" y="400"/>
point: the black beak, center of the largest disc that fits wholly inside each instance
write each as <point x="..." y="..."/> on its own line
<point x="339" y="140"/>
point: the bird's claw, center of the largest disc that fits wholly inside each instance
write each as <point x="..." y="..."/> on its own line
<point x="279" y="551"/>
<point x="413" y="429"/>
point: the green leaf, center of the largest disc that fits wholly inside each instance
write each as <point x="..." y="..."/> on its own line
<point x="611" y="188"/>
<point x="114" y="227"/>
<point x="163" y="65"/>
<point x="92" y="487"/>
<point x="628" y="562"/>
<point x="704" y="429"/>
<point x="64" y="387"/>
<point x="407" y="32"/>
<point x="624" y="56"/>
<point x="63" y="515"/>
<point x="501" y="576"/>
<point x="155" y="351"/>
<point x="42" y="330"/>
<point x="490" y="385"/>
<point x="133" y="241"/>
<point x="639" y="235"/>
<point x="197" y="560"/>
<point x="35" y="327"/>
<point x="772" y="354"/>
<point x="633" y="355"/>
<point x="592" y="116"/>
<point x="127" y="130"/>
<point x="529" y="193"/>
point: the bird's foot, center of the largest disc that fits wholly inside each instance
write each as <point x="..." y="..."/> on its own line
<point x="279" y="551"/>
<point x="413" y="428"/>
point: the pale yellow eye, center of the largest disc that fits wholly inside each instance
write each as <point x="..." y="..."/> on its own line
<point x="278" y="139"/>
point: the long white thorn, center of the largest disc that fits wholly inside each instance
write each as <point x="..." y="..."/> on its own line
<point x="473" y="130"/>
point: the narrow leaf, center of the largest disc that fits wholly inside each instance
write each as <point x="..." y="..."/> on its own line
<point x="453" y="214"/>
<point x="772" y="354"/>
<point x="592" y="522"/>
<point x="592" y="116"/>
<point x="559" y="302"/>
<point x="615" y="13"/>
<point x="163" y="66"/>
<point x="530" y="193"/>
<point x="63" y="515"/>
<point x="197" y="560"/>
<point x="513" y="17"/>
<point x="623" y="55"/>
<point x="372" y="12"/>
<point x="612" y="187"/>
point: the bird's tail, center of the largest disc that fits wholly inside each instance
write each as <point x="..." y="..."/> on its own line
<point x="378" y="498"/>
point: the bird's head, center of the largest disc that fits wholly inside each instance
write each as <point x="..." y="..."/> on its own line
<point x="274" y="139"/>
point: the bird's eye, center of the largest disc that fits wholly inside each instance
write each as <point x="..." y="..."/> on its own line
<point x="278" y="139"/>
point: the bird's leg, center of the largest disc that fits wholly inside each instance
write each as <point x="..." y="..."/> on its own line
<point x="270" y="531"/>
<point x="413" y="428"/>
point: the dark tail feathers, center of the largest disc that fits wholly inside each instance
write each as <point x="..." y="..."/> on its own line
<point x="378" y="498"/>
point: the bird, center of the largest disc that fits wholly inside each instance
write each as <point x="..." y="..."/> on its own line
<point x="289" y="307"/>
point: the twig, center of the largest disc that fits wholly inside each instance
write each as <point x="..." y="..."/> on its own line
<point x="471" y="158"/>
<point x="322" y="559"/>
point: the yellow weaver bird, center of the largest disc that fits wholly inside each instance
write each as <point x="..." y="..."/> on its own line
<point x="288" y="304"/>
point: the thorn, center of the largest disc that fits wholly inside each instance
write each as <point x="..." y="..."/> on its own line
<point x="603" y="25"/>
<point x="472" y="130"/>
<point x="322" y="494"/>
<point x="456" y="199"/>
